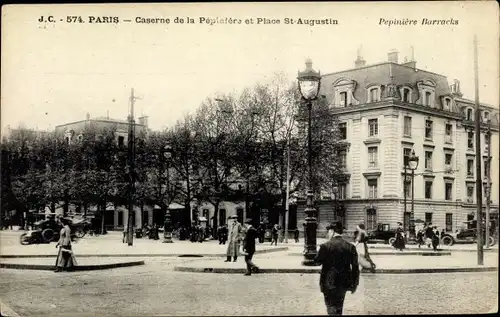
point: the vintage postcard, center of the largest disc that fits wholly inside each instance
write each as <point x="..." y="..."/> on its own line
<point x="216" y="159"/>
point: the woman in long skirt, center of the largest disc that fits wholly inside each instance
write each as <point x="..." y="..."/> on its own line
<point x="65" y="258"/>
<point x="362" y="248"/>
<point x="400" y="239"/>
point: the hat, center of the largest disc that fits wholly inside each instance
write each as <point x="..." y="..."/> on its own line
<point x="336" y="226"/>
<point x="248" y="220"/>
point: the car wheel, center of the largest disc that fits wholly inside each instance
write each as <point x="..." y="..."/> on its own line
<point x="447" y="241"/>
<point x="492" y="241"/>
<point x="48" y="235"/>
<point x="24" y="239"/>
<point x="391" y="241"/>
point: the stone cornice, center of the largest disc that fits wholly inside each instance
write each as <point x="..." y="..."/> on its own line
<point x="372" y="141"/>
<point x="372" y="174"/>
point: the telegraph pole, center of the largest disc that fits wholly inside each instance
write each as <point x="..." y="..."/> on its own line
<point x="287" y="211"/>
<point x="487" y="168"/>
<point x="131" y="171"/>
<point x="479" y="183"/>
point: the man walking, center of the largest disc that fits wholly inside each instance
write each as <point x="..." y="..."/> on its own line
<point x="235" y="233"/>
<point x="339" y="271"/>
<point x="249" y="247"/>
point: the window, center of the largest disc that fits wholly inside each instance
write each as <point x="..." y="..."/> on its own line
<point x="373" y="127"/>
<point x="470" y="193"/>
<point x="406" y="156"/>
<point x="371" y="219"/>
<point x="372" y="156"/>
<point x="406" y="95"/>
<point x="487" y="141"/>
<point x="372" y="188"/>
<point x="469" y="114"/>
<point x="222" y="217"/>
<point x="343" y="99"/>
<point x="448" y="195"/>
<point x="448" y="133"/>
<point x="470" y="167"/>
<point x="428" y="100"/>
<point x="486" y="116"/>
<point x="343" y="159"/>
<point x="374" y="95"/>
<point x="407" y="126"/>
<point x="428" y="160"/>
<point x="428" y="217"/>
<point x="428" y="129"/>
<point x="447" y="104"/>
<point x="449" y="223"/>
<point x="205" y="213"/>
<point x="121" y="141"/>
<point x="343" y="131"/>
<point x="342" y="193"/>
<point x="470" y="140"/>
<point x="486" y="168"/>
<point x="448" y="157"/>
<point x="428" y="189"/>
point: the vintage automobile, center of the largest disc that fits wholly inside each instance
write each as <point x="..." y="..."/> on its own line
<point x="467" y="234"/>
<point x="46" y="231"/>
<point x="382" y="233"/>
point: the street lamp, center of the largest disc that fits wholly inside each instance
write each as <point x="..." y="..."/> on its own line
<point x="167" y="229"/>
<point x="309" y="85"/>
<point x="413" y="164"/>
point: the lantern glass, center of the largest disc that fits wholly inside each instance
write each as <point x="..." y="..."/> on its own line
<point x="413" y="161"/>
<point x="309" y="88"/>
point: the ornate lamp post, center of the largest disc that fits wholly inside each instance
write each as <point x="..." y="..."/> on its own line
<point x="167" y="230"/>
<point x="309" y="84"/>
<point x="413" y="164"/>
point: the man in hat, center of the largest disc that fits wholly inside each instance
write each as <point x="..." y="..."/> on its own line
<point x="235" y="233"/>
<point x="249" y="246"/>
<point x="339" y="271"/>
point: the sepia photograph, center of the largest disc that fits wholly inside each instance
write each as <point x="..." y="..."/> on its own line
<point x="249" y="159"/>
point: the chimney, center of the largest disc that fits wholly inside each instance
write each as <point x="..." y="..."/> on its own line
<point x="359" y="62"/>
<point x="455" y="88"/>
<point x="392" y="56"/>
<point x="144" y="121"/>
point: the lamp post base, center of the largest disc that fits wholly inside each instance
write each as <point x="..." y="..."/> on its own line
<point x="167" y="237"/>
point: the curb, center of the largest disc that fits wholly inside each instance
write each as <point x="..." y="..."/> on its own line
<point x="318" y="270"/>
<point x="139" y="255"/>
<point x="394" y="253"/>
<point x="44" y="267"/>
<point x="451" y="250"/>
<point x="6" y="311"/>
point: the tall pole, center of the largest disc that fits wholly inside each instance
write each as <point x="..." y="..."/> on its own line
<point x="487" y="168"/>
<point x="310" y="250"/>
<point x="287" y="211"/>
<point x="404" y="198"/>
<point x="412" y="213"/>
<point x="479" y="184"/>
<point x="131" y="164"/>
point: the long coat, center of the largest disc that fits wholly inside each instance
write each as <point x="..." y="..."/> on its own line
<point x="234" y="238"/>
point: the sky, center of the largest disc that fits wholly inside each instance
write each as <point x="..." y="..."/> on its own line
<point x="55" y="73"/>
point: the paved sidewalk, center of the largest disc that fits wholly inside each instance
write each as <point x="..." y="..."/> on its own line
<point x="460" y="262"/>
<point x="111" y="245"/>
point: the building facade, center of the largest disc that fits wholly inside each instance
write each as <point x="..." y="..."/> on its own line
<point x="388" y="110"/>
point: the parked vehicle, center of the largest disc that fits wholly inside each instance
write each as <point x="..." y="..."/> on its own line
<point x="382" y="233"/>
<point x="46" y="231"/>
<point x="467" y="234"/>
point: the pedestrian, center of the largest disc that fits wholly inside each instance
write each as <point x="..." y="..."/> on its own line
<point x="193" y="232"/>
<point x="274" y="235"/>
<point x="339" y="271"/>
<point x="125" y="234"/>
<point x="235" y="233"/>
<point x="399" y="243"/>
<point x="201" y="234"/>
<point x="296" y="235"/>
<point x="249" y="247"/>
<point x="429" y="233"/>
<point x="420" y="237"/>
<point x="442" y="234"/>
<point x="435" y="238"/>
<point x="261" y="232"/>
<point x="362" y="248"/>
<point x="65" y="258"/>
<point x="225" y="232"/>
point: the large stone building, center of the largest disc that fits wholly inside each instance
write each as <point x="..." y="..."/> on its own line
<point x="387" y="110"/>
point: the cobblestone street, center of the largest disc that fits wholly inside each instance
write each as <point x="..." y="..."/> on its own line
<point x="155" y="290"/>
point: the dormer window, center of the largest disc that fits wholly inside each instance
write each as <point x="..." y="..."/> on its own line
<point x="406" y="95"/>
<point x="373" y="94"/>
<point x="426" y="90"/>
<point x="446" y="103"/>
<point x="469" y="114"/>
<point x="343" y="90"/>
<point x="428" y="96"/>
<point x="486" y="116"/>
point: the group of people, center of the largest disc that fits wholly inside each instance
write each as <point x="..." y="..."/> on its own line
<point x="247" y="234"/>
<point x="429" y="235"/>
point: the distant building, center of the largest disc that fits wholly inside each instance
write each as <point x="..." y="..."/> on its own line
<point x="73" y="131"/>
<point x="387" y="110"/>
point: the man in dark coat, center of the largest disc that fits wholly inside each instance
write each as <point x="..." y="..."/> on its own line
<point x="249" y="247"/>
<point x="339" y="271"/>
<point x="296" y="235"/>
